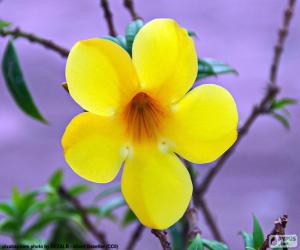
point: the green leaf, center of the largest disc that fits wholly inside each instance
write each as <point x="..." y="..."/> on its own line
<point x="41" y="223"/>
<point x="56" y="179"/>
<point x="177" y="235"/>
<point x="258" y="235"/>
<point x="7" y="209"/>
<point x="78" y="189"/>
<point x="214" y="245"/>
<point x="192" y="33"/>
<point x="282" y="119"/>
<point x="67" y="233"/>
<point x="131" y="31"/>
<point x="128" y="218"/>
<point x="107" y="209"/>
<point x="196" y="244"/>
<point x="4" y="24"/>
<point x="16" y="84"/>
<point x="9" y="226"/>
<point x="25" y="203"/>
<point x="107" y="192"/>
<point x="281" y="103"/>
<point x="211" y="67"/>
<point x="120" y="40"/>
<point x="248" y="239"/>
<point x="16" y="196"/>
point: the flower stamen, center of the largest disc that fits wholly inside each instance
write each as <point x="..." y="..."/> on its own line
<point x="143" y="117"/>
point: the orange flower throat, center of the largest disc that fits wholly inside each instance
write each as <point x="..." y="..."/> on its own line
<point x="143" y="116"/>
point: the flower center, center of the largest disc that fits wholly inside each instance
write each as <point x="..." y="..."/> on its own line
<point x="143" y="117"/>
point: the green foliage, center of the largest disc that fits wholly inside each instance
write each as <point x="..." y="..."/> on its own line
<point x="255" y="240"/>
<point x="282" y="103"/>
<point x="248" y="239"/>
<point x="279" y="112"/>
<point x="131" y="31"/>
<point x="196" y="243"/>
<point x="16" y="84"/>
<point x="128" y="218"/>
<point x="28" y="214"/>
<point x="258" y="235"/>
<point x="126" y="41"/>
<point x="4" y="24"/>
<point x="214" y="245"/>
<point x="107" y="192"/>
<point x="211" y="67"/>
<point x="177" y="232"/>
<point x="120" y="40"/>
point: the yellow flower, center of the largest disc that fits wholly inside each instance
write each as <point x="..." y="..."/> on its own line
<point x="140" y="114"/>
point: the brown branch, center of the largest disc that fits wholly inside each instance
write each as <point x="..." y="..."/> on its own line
<point x="108" y="17"/>
<point x="279" y="229"/>
<point x="17" y="33"/>
<point x="162" y="236"/>
<point x="192" y="218"/>
<point x="200" y="204"/>
<point x="129" y="5"/>
<point x="210" y="220"/>
<point x="261" y="108"/>
<point x="136" y="235"/>
<point x="282" y="34"/>
<point x="100" y="236"/>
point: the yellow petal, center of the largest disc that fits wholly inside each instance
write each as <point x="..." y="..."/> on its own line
<point x="165" y="58"/>
<point x="100" y="76"/>
<point x="203" y="124"/>
<point x="94" y="147"/>
<point x="156" y="186"/>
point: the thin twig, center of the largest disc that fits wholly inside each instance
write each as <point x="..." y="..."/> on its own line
<point x="192" y="218"/>
<point x="201" y="204"/>
<point x="279" y="229"/>
<point x="108" y="17"/>
<point x="17" y="33"/>
<point x="129" y="5"/>
<point x="100" y="236"/>
<point x="210" y="220"/>
<point x="261" y="108"/>
<point x="136" y="235"/>
<point x="162" y="236"/>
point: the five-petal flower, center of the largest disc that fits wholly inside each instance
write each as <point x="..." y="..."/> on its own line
<point x="140" y="114"/>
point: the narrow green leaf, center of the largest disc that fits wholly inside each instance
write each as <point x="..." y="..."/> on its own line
<point x="78" y="189"/>
<point x="7" y="209"/>
<point x="107" y="192"/>
<point x="4" y="24"/>
<point x="56" y="179"/>
<point x="16" y="84"/>
<point x="211" y="67"/>
<point x="281" y="103"/>
<point x="258" y="235"/>
<point x="16" y="196"/>
<point x="196" y="244"/>
<point x="177" y="235"/>
<point x="9" y="226"/>
<point x="283" y="120"/>
<point x="248" y="239"/>
<point x="128" y="218"/>
<point x="26" y="202"/>
<point x="131" y="31"/>
<point x="67" y="232"/>
<point x="214" y="245"/>
<point x="110" y="206"/>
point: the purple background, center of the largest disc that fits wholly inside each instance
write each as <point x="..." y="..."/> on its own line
<point x="263" y="175"/>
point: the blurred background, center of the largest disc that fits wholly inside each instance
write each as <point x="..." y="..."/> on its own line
<point x="262" y="177"/>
